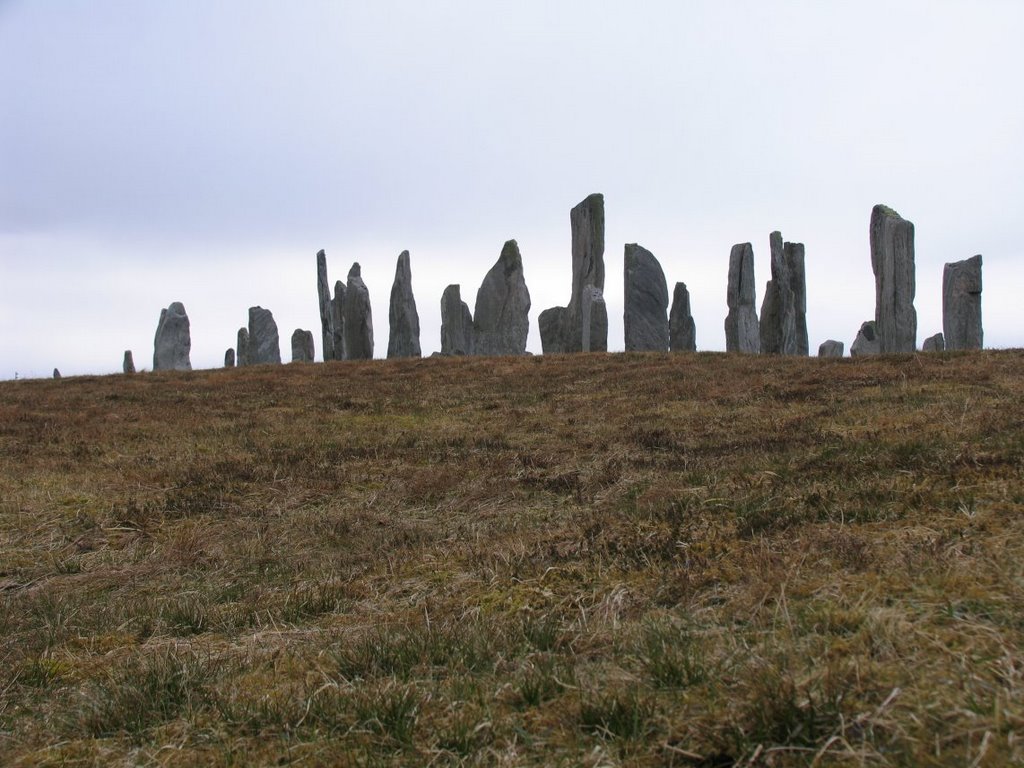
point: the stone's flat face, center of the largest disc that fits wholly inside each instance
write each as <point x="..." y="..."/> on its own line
<point x="831" y="348"/>
<point x="242" y="347"/>
<point x="403" y="320"/>
<point x="501" y="317"/>
<point x="128" y="366"/>
<point x="338" y="321"/>
<point x="867" y="342"/>
<point x="323" y="290"/>
<point x="961" y="304"/>
<point x="551" y="324"/>
<point x="594" y="320"/>
<point x="682" y="332"/>
<point x="264" y="343"/>
<point x="302" y="346"/>
<point x="936" y="343"/>
<point x="645" y="317"/>
<point x="358" y="319"/>
<point x="742" y="330"/>
<point x="456" y="323"/>
<point x="173" y="342"/>
<point x="783" y="323"/>
<point x="892" y="260"/>
<point x="229" y="358"/>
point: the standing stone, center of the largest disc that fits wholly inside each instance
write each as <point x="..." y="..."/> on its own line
<point x="456" y="324"/>
<point x="594" y="320"/>
<point x="645" y="317"/>
<point x="302" y="346"/>
<point x="783" y="325"/>
<point x="56" y="373"/>
<point x="936" y="343"/>
<point x="338" y="321"/>
<point x="561" y="328"/>
<point x="128" y="366"/>
<point x="501" y="318"/>
<point x="831" y="348"/>
<point x="173" y="341"/>
<point x="243" y="354"/>
<point x="892" y="260"/>
<point x="742" y="333"/>
<point x="867" y="342"/>
<point x="229" y="358"/>
<point x="961" y="304"/>
<point x="358" y="320"/>
<point x="264" y="342"/>
<point x="682" y="332"/>
<point x="403" y="320"/>
<point x="323" y="290"/>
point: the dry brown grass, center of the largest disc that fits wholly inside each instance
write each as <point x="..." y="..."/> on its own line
<point x="597" y="559"/>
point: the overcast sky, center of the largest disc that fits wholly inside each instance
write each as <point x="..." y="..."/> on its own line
<point x="202" y="152"/>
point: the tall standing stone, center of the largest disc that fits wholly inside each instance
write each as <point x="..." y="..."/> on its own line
<point x="783" y="324"/>
<point x="892" y="260"/>
<point x="243" y="355"/>
<point x="867" y="342"/>
<point x="323" y="290"/>
<point x="302" y="346"/>
<point x="682" y="331"/>
<point x="403" y="320"/>
<point x="229" y="358"/>
<point x="961" y="304"/>
<point x="456" y="324"/>
<point x="338" y="321"/>
<point x="742" y="333"/>
<point x="358" y="320"/>
<point x="128" y="366"/>
<point x="173" y="342"/>
<point x="645" y="314"/>
<point x="501" y="317"/>
<point x="264" y="341"/>
<point x="561" y="328"/>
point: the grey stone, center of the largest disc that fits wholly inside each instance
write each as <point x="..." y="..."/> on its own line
<point x="56" y="373"/>
<point x="783" y="324"/>
<point x="358" y="320"/>
<point x="264" y="342"/>
<point x="229" y="358"/>
<point x="403" y="320"/>
<point x="645" y="314"/>
<point x="742" y="333"/>
<point x="501" y="317"/>
<point x="338" y="321"/>
<point x="831" y="348"/>
<point x="128" y="366"/>
<point x="867" y="342"/>
<point x="561" y="328"/>
<point x="242" y="348"/>
<point x="936" y="343"/>
<point x="173" y="341"/>
<point x="594" y="320"/>
<point x="682" y="331"/>
<point x="456" y="323"/>
<point x="303" y="350"/>
<point x="961" y="304"/>
<point x="323" y="290"/>
<point x="892" y="260"/>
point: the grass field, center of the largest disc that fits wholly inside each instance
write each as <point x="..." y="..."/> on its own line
<point x="693" y="560"/>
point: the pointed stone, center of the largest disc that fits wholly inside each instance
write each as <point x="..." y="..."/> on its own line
<point x="173" y="342"/>
<point x="831" y="348"/>
<point x="242" y="346"/>
<point x="783" y="323"/>
<point x="936" y="343"/>
<point x="682" y="331"/>
<point x="892" y="261"/>
<point x="961" y="304"/>
<point x="645" y="314"/>
<point x="56" y="373"/>
<point x="742" y="333"/>
<point x="594" y="320"/>
<point x="338" y="321"/>
<point x="229" y="358"/>
<point x="302" y="346"/>
<point x="403" y="320"/>
<point x="128" y="366"/>
<point x="867" y="342"/>
<point x="264" y="341"/>
<point x="456" y="323"/>
<point x="501" y="317"/>
<point x="358" y="320"/>
<point x="323" y="290"/>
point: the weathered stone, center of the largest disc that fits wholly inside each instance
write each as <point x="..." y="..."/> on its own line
<point x="783" y="324"/>
<point x="128" y="366"/>
<point x="936" y="343"/>
<point x="961" y="304"/>
<point x="645" y="314"/>
<point x="403" y="320"/>
<point x="338" y="321"/>
<point x="244" y="357"/>
<point x="56" y="373"/>
<point x="501" y="317"/>
<point x="742" y="332"/>
<point x="303" y="350"/>
<point x="867" y="342"/>
<point x="561" y="328"/>
<point x="358" y="320"/>
<point x="594" y="320"/>
<point x="831" y="348"/>
<point x="173" y="341"/>
<point x="892" y="260"/>
<point x="456" y="324"/>
<point x="229" y="358"/>
<point x="323" y="290"/>
<point x="682" y="331"/>
<point x="264" y="342"/>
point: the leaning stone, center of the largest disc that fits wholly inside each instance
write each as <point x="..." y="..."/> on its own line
<point x="403" y="320"/>
<point x="243" y="354"/>
<point x="682" y="332"/>
<point x="645" y="317"/>
<point x="323" y="290"/>
<point x="783" y="323"/>
<point x="302" y="346"/>
<point x="173" y="341"/>
<point x="128" y="366"/>
<point x="892" y="260"/>
<point x="742" y="332"/>
<point x="456" y="324"/>
<point x="229" y="358"/>
<point x="831" y="348"/>
<point x="961" y="304"/>
<point x="264" y="341"/>
<point x="866" y="342"/>
<point x="358" y="319"/>
<point x="501" y="317"/>
<point x="936" y="343"/>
